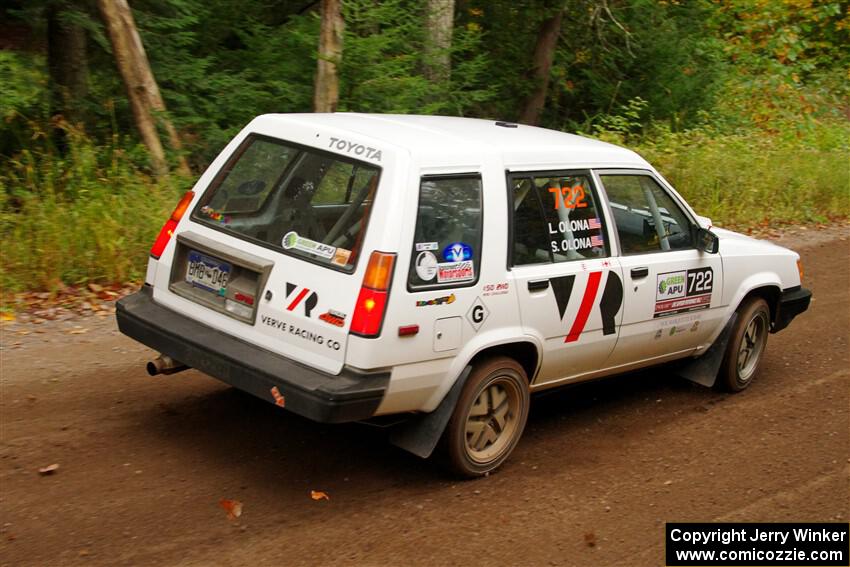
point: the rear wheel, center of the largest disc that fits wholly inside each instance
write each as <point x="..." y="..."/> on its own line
<point x="746" y="345"/>
<point x="489" y="417"/>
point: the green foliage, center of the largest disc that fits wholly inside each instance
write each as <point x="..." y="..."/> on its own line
<point x="662" y="52"/>
<point x="742" y="105"/>
<point x="382" y="66"/>
<point x="747" y="176"/>
<point x="742" y="180"/>
<point x="21" y="84"/>
<point x="89" y="215"/>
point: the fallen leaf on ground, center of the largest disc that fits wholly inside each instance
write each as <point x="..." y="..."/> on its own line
<point x="95" y="287"/>
<point x="7" y="316"/>
<point x="232" y="507"/>
<point x="319" y="495"/>
<point x="590" y="539"/>
<point x="49" y="469"/>
<point x="78" y="331"/>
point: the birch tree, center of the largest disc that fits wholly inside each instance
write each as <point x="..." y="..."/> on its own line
<point x="142" y="90"/>
<point x="438" y="43"/>
<point x="326" y="93"/>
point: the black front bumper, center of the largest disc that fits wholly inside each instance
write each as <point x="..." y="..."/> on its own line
<point x="792" y="302"/>
<point x="348" y="396"/>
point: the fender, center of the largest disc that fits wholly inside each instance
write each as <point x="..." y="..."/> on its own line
<point x="482" y="341"/>
<point x="420" y="434"/>
<point x="754" y="281"/>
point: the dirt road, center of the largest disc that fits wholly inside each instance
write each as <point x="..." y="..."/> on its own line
<point x="143" y="462"/>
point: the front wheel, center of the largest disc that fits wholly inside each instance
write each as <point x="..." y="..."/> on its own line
<point x="746" y="346"/>
<point x="489" y="417"/>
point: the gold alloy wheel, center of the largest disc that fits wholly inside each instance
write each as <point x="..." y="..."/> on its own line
<point x="492" y="420"/>
<point x="752" y="345"/>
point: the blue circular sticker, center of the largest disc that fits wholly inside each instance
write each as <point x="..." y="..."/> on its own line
<point x="457" y="252"/>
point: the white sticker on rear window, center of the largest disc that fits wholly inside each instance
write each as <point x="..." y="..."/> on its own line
<point x="426" y="266"/>
<point x="455" y="271"/>
<point x="292" y="240"/>
<point x="420" y="246"/>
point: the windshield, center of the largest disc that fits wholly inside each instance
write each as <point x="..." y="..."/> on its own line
<point x="297" y="200"/>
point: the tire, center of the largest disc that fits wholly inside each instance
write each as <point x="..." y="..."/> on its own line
<point x="480" y="435"/>
<point x="746" y="346"/>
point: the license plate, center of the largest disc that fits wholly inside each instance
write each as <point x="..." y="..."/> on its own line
<point x="207" y="273"/>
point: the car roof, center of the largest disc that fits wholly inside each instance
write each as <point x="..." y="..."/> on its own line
<point x="440" y="139"/>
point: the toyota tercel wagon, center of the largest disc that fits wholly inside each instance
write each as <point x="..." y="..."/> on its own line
<point x="350" y="266"/>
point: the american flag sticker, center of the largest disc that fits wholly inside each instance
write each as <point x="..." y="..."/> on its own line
<point x="593" y="223"/>
<point x="596" y="241"/>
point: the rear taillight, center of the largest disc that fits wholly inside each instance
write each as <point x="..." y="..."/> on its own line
<point x="168" y="228"/>
<point x="372" y="302"/>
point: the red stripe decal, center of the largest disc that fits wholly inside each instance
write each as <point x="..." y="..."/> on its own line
<point x="585" y="307"/>
<point x="297" y="299"/>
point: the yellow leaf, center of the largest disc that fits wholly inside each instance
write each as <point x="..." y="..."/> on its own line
<point x="319" y="495"/>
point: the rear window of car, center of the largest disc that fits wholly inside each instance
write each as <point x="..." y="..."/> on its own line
<point x="296" y="200"/>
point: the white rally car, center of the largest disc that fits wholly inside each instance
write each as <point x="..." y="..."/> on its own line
<point x="347" y="266"/>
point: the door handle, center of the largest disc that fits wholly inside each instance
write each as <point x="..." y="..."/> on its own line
<point x="538" y="285"/>
<point x="638" y="273"/>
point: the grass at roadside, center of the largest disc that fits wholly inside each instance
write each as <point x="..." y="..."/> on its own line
<point x="743" y="181"/>
<point x="91" y="215"/>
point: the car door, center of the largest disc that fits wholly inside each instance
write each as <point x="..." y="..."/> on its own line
<point x="672" y="290"/>
<point x="569" y="288"/>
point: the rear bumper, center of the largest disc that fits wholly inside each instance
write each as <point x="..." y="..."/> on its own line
<point x="792" y="302"/>
<point x="348" y="396"/>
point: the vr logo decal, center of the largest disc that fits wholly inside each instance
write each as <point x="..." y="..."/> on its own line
<point x="309" y="304"/>
<point x="609" y="304"/>
<point x="584" y="309"/>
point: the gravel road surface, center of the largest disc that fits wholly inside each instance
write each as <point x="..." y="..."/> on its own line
<point x="143" y="462"/>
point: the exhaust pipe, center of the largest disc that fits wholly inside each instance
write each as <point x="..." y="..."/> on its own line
<point x="164" y="364"/>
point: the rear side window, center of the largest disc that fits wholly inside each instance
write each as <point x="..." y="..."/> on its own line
<point x="647" y="218"/>
<point x="300" y="201"/>
<point x="447" y="239"/>
<point x="556" y="218"/>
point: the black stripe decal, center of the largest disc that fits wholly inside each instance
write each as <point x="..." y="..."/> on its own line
<point x="563" y="288"/>
<point x="612" y="300"/>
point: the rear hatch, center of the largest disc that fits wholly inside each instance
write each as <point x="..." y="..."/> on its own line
<point x="273" y="250"/>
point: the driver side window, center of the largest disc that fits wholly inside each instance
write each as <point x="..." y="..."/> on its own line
<point x="646" y="217"/>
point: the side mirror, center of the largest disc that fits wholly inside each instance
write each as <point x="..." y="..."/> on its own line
<point x="707" y="241"/>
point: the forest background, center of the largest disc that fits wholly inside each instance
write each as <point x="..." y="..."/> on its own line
<point x="741" y="104"/>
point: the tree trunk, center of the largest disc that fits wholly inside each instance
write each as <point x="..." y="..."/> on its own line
<point x="326" y="94"/>
<point x="544" y="52"/>
<point x="67" y="64"/>
<point x="142" y="90"/>
<point x="438" y="44"/>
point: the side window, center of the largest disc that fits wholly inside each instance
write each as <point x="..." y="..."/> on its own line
<point x="647" y="218"/>
<point x="531" y="237"/>
<point x="447" y="239"/>
<point x="556" y="219"/>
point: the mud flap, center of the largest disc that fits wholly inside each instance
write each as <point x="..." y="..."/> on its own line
<point x="703" y="370"/>
<point x="421" y="434"/>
